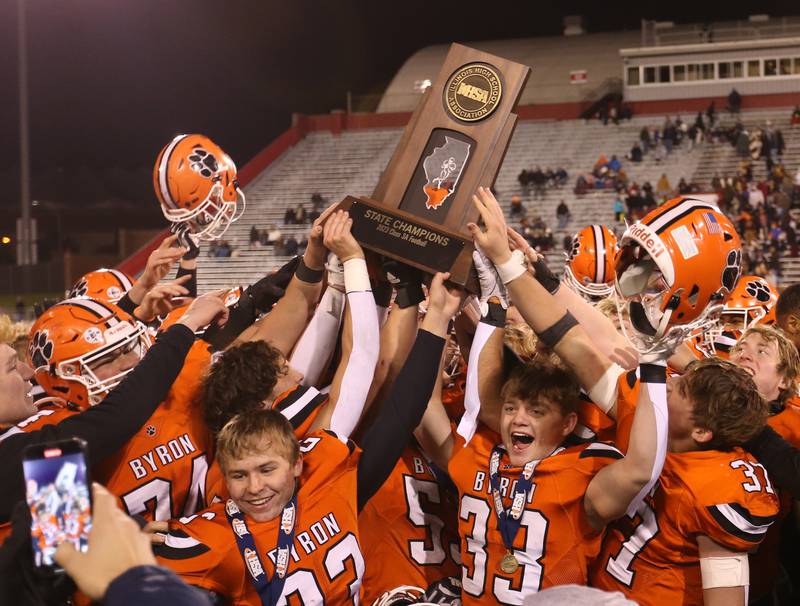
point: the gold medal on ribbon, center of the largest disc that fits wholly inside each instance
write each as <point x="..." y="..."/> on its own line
<point x="509" y="563"/>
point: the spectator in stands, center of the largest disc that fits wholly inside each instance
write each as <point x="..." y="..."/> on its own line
<point x="619" y="209"/>
<point x="562" y="214"/>
<point x="625" y="112"/>
<point x="582" y="185"/>
<point x="288" y="216"/>
<point x="224" y="249"/>
<point x="538" y="179"/>
<point x="734" y="101"/>
<point x="516" y="209"/>
<point x="669" y="134"/>
<point x="636" y="153"/>
<point x="317" y="203"/>
<point x="683" y="187"/>
<point x="795" y="120"/>
<point x="524" y="179"/>
<point x="711" y="114"/>
<point x="299" y="214"/>
<point x="561" y="176"/>
<point x="743" y="143"/>
<point x="663" y="188"/>
<point x="279" y="247"/>
<point x="644" y="139"/>
<point x="716" y="183"/>
<point x="273" y="234"/>
<point x="255" y="236"/>
<point x="698" y="122"/>
<point x="291" y="246"/>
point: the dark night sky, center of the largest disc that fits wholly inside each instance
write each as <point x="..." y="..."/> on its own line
<point x="111" y="81"/>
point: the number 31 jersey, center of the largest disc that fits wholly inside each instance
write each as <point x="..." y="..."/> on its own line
<point x="555" y="540"/>
<point x="653" y="557"/>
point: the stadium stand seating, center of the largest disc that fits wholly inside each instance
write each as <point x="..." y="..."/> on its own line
<point x="351" y="163"/>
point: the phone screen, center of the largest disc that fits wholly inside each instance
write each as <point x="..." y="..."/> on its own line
<point x="58" y="497"/>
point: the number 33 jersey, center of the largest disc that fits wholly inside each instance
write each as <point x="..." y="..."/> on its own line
<point x="653" y="557"/>
<point x="325" y="563"/>
<point x="555" y="540"/>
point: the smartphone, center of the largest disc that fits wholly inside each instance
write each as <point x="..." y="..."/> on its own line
<point x="59" y="497"/>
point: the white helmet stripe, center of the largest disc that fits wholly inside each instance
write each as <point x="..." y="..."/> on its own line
<point x="162" y="170"/>
<point x="96" y="307"/>
<point x="673" y="214"/>
<point x="600" y="254"/>
<point x="124" y="281"/>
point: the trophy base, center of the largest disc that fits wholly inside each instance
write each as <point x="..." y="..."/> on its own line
<point x="405" y="237"/>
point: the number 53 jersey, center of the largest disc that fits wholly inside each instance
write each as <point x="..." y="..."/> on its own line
<point x="555" y="541"/>
<point x="653" y="557"/>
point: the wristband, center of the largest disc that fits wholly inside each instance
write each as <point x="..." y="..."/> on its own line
<point x="305" y="274"/>
<point x="382" y="291"/>
<point x="553" y="335"/>
<point x="495" y="314"/>
<point x="513" y="268"/>
<point x="545" y="277"/>
<point x="653" y="372"/>
<point x="356" y="276"/>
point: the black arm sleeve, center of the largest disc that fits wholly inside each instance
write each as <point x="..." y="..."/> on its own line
<point x="400" y="413"/>
<point x="146" y="585"/>
<point x="781" y="459"/>
<point x="109" y="425"/>
<point x="191" y="285"/>
<point x="126" y="304"/>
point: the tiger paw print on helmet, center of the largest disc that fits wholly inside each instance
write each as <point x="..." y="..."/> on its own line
<point x="196" y="184"/>
<point x="40" y="349"/>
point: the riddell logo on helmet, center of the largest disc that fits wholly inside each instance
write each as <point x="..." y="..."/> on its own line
<point x="645" y="236"/>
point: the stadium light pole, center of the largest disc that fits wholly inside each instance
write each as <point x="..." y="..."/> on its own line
<point x="24" y="256"/>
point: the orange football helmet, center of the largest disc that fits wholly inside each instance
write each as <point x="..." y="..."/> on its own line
<point x="74" y="337"/>
<point x="107" y="285"/>
<point x="752" y="302"/>
<point x="589" y="269"/>
<point x="196" y="183"/>
<point x="675" y="270"/>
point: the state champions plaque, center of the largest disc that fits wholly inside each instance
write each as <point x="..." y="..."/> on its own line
<point x="454" y="142"/>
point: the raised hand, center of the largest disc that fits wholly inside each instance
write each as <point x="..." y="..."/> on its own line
<point x="494" y="239"/>
<point x="338" y="238"/>
<point x="115" y="545"/>
<point x="443" y="303"/>
<point x="162" y="299"/>
<point x="206" y="309"/>
<point x="160" y="262"/>
<point x="316" y="253"/>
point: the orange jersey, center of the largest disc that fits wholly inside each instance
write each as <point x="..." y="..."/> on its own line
<point x="326" y="564"/>
<point x="653" y="557"/>
<point x="161" y="473"/>
<point x="764" y="563"/>
<point x="300" y="405"/>
<point x="555" y="542"/>
<point x="410" y="523"/>
<point x="49" y="414"/>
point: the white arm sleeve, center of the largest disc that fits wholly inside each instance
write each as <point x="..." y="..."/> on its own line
<point x="363" y="358"/>
<point x="315" y="347"/>
<point x="472" y="400"/>
<point x="657" y="393"/>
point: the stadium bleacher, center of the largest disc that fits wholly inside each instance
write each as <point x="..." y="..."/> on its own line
<point x="351" y="163"/>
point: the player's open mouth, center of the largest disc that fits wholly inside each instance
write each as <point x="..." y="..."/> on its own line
<point x="520" y="441"/>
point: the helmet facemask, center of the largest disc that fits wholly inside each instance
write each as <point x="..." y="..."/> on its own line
<point x="126" y="337"/>
<point x="645" y="285"/>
